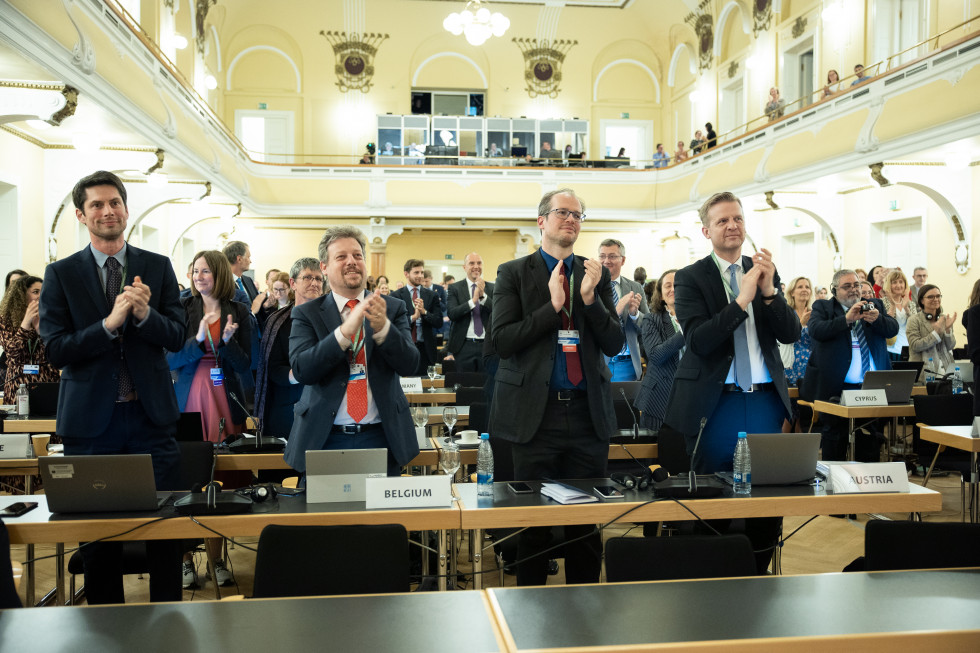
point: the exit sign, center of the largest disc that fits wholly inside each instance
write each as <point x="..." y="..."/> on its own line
<point x="263" y="106"/>
<point x="893" y="205"/>
<point x="624" y="116"/>
<point x="449" y="257"/>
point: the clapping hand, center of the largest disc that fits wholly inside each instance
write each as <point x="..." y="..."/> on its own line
<point x="230" y="328"/>
<point x="593" y="274"/>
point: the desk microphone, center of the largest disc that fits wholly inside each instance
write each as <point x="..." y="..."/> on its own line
<point x="681" y="487"/>
<point x="636" y="423"/>
<point x="262" y="444"/>
<point x="210" y="500"/>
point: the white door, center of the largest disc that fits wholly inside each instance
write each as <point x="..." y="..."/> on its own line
<point x="266" y="135"/>
<point x="636" y="136"/>
<point x="804" y="81"/>
<point x="799" y="259"/>
<point x="732" y="113"/>
<point x="901" y="244"/>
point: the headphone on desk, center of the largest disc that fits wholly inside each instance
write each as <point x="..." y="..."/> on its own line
<point x="642" y="481"/>
<point x="259" y="492"/>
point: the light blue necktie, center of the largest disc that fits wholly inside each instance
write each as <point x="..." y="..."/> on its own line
<point x="241" y="286"/>
<point x="626" y="348"/>
<point x="863" y="344"/>
<point x="743" y="366"/>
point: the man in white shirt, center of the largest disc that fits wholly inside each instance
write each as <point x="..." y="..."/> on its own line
<point x="470" y="312"/>
<point x="349" y="348"/>
<point x="920" y="275"/>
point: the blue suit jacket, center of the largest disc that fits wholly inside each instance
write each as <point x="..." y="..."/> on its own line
<point x="321" y="366"/>
<point x="831" y="355"/>
<point x="73" y="305"/>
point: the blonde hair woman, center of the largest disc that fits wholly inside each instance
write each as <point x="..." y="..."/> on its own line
<point x="799" y="295"/>
<point x="898" y="304"/>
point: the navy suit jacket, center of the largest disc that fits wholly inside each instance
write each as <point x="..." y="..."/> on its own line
<point x="322" y="367"/>
<point x="709" y="319"/>
<point x="431" y="321"/>
<point x="525" y="335"/>
<point x="460" y="314"/>
<point x="73" y="304"/>
<point x="831" y="355"/>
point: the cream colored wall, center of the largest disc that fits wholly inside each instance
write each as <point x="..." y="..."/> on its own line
<point x="494" y="246"/>
<point x="22" y="165"/>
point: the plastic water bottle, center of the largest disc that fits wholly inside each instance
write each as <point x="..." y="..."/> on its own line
<point x="957" y="382"/>
<point x="742" y="465"/>
<point x="484" y="467"/>
<point x="23" y="401"/>
<point x="930" y="372"/>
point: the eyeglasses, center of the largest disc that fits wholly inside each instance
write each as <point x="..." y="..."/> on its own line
<point x="932" y="297"/>
<point x="609" y="257"/>
<point x="847" y="287"/>
<point x="280" y="289"/>
<point x="564" y="214"/>
<point x="308" y="278"/>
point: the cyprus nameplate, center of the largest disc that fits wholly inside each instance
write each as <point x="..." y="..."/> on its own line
<point x="852" y="398"/>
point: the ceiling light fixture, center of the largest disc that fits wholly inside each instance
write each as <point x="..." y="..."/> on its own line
<point x="476" y="22"/>
<point x="210" y="82"/>
<point x="179" y="41"/>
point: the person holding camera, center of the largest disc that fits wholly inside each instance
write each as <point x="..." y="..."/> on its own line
<point x="849" y="335"/>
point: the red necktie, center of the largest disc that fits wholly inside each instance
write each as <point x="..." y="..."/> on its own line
<point x="415" y="295"/>
<point x="573" y="365"/>
<point x="357" y="404"/>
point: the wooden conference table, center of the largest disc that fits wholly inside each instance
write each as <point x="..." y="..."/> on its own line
<point x="852" y="413"/>
<point x="957" y="437"/>
<point x="934" y="610"/>
<point x="508" y="510"/>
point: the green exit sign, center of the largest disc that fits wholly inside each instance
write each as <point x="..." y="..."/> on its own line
<point x="263" y="106"/>
<point x="624" y="116"/>
<point x="449" y="257"/>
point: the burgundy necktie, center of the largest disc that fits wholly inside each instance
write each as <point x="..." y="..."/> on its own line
<point x="477" y="318"/>
<point x="573" y="365"/>
<point x="415" y="295"/>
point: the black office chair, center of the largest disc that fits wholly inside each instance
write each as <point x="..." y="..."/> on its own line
<point x="190" y="428"/>
<point x="942" y="410"/>
<point x="329" y="560"/>
<point x="678" y="558"/>
<point x="896" y="545"/>
<point x="672" y="451"/>
<point x="448" y="366"/>
<point x="480" y="422"/>
<point x="960" y="353"/>
<point x="8" y="589"/>
<point x="465" y="379"/>
<point x="196" y="459"/>
<point x="466" y="396"/>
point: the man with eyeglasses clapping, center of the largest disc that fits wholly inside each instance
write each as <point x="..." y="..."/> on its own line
<point x="553" y="320"/>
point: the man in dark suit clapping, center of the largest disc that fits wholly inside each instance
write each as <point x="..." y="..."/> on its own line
<point x="470" y="311"/>
<point x="553" y="319"/>
<point x="109" y="313"/>
<point x="424" y="313"/>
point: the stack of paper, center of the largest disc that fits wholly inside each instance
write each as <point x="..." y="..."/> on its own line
<point x="566" y="494"/>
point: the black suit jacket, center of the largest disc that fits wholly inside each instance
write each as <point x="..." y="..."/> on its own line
<point x="709" y="319"/>
<point x="525" y="335"/>
<point x="831" y="355"/>
<point x="73" y="305"/>
<point x="460" y="314"/>
<point x="432" y="319"/>
<point x="250" y="289"/>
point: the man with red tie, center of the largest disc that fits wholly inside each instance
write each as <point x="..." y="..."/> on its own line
<point x="424" y="313"/>
<point x="349" y="348"/>
<point x="553" y="319"/>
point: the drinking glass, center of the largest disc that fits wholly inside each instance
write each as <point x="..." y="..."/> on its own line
<point x="420" y="416"/>
<point x="449" y="419"/>
<point x="431" y="371"/>
<point x="449" y="461"/>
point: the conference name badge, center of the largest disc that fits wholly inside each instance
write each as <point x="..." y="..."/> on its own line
<point x="217" y="377"/>
<point x="32" y="369"/>
<point x="852" y="398"/>
<point x="408" y="492"/>
<point x="568" y="339"/>
<point x="868" y="478"/>
<point x="356" y="372"/>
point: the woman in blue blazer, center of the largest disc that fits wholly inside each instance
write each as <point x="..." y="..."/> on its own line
<point x="663" y="343"/>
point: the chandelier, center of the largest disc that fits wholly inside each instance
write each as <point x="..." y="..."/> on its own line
<point x="476" y="22"/>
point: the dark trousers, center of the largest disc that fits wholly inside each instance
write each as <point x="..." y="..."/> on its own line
<point x="470" y="357"/>
<point x="424" y="360"/>
<point x="565" y="447"/>
<point x="752" y="412"/>
<point x="130" y="431"/>
<point x="833" y="433"/>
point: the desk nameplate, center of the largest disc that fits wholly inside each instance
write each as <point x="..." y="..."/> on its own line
<point x="851" y="398"/>
<point x="861" y="478"/>
<point x="408" y="492"/>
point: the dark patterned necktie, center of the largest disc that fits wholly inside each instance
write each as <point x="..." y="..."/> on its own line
<point x="113" y="282"/>
<point x="477" y="318"/>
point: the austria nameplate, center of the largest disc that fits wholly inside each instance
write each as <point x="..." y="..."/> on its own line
<point x="864" y="478"/>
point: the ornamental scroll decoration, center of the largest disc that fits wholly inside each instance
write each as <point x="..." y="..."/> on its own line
<point x="201" y="9"/>
<point x="354" y="58"/>
<point x="703" y="23"/>
<point x="542" y="64"/>
<point x="762" y="16"/>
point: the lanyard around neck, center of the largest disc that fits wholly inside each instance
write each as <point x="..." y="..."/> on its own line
<point x="724" y="278"/>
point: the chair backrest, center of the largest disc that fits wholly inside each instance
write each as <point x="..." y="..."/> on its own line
<point x="470" y="396"/>
<point x="8" y="590"/>
<point x="672" y="451"/>
<point x="190" y="428"/>
<point x="465" y="379"/>
<point x="920" y="545"/>
<point x="479" y="417"/>
<point x="448" y="366"/>
<point x="944" y="410"/>
<point x="677" y="558"/>
<point x="328" y="560"/>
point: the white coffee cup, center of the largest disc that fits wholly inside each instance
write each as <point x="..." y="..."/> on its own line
<point x="469" y="437"/>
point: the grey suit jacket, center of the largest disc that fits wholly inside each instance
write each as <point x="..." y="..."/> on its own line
<point x="73" y="305"/>
<point x="525" y="335"/>
<point x="709" y="320"/>
<point x="631" y="327"/>
<point x="321" y="365"/>
<point x="662" y="344"/>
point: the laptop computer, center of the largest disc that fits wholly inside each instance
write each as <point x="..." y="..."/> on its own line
<point x="781" y="458"/>
<point x="916" y="366"/>
<point x="341" y="474"/>
<point x="100" y="483"/>
<point x="897" y="384"/>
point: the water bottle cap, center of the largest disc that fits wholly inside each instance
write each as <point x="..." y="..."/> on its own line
<point x="742" y="434"/>
<point x="957" y="368"/>
<point x="484" y="436"/>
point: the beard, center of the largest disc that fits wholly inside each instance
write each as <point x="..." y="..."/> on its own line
<point x="848" y="303"/>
